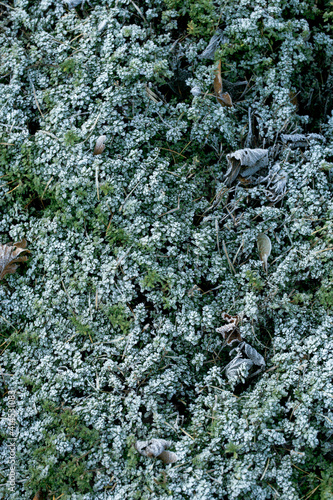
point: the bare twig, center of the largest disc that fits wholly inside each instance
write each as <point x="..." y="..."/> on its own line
<point x="232" y="269"/>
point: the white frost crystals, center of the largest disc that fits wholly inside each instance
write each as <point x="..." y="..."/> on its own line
<point x="245" y="162"/>
<point x="156" y="448"/>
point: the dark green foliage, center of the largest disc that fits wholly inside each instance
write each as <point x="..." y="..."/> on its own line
<point x="67" y="471"/>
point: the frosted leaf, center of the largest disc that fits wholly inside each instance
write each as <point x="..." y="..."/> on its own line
<point x="264" y="248"/>
<point x="277" y="183"/>
<point x="245" y="162"/>
<point x="99" y="146"/>
<point x="102" y="25"/>
<point x="300" y="140"/>
<point x="253" y="354"/>
<point x="151" y="448"/>
<point x="217" y="39"/>
<point x="71" y="4"/>
<point x="156" y="448"/>
<point x="230" y="332"/>
<point x="10" y="256"/>
<point x="195" y="91"/>
<point x="238" y="369"/>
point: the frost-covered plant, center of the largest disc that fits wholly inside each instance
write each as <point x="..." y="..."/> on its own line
<point x="109" y="329"/>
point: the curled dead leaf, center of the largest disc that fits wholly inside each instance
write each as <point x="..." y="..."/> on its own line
<point x="245" y="162"/>
<point x="10" y="256"/>
<point x="300" y="140"/>
<point x="217" y="39"/>
<point x="168" y="457"/>
<point x="218" y="80"/>
<point x="230" y="332"/>
<point x="223" y="98"/>
<point x="99" y="146"/>
<point x="239" y="367"/>
<point x="156" y="448"/>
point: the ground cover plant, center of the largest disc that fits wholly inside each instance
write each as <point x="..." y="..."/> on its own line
<point x="166" y="174"/>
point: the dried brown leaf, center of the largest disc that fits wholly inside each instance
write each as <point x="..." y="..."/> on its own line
<point x="168" y="457"/>
<point x="10" y="256"/>
<point x="225" y="100"/>
<point x="39" y="495"/>
<point x="245" y="162"/>
<point x="99" y="146"/>
<point x="218" y="80"/>
<point x="230" y="332"/>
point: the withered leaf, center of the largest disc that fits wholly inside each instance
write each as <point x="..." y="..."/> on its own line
<point x="218" y="80"/>
<point x="156" y="448"/>
<point x="168" y="457"/>
<point x="238" y="368"/>
<point x="245" y="162"/>
<point x="264" y="248"/>
<point x="230" y="332"/>
<point x="10" y="256"/>
<point x="223" y="98"/>
<point x="300" y="140"/>
<point x="217" y="39"/>
<point x="99" y="146"/>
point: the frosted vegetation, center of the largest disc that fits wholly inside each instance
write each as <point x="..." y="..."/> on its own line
<point x="108" y="329"/>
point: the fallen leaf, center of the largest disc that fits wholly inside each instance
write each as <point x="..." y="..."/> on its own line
<point x="156" y="448"/>
<point x="239" y="367"/>
<point x="245" y="162"/>
<point x="300" y="140"/>
<point x="218" y="80"/>
<point x="99" y="146"/>
<point x="10" y="256"/>
<point x="264" y="248"/>
<point x="230" y="332"/>
<point x="223" y="99"/>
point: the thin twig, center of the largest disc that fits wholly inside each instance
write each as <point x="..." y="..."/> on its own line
<point x="50" y="134"/>
<point x="129" y="194"/>
<point x="172" y="210"/>
<point x="217" y="236"/>
<point x="139" y="11"/>
<point x="47" y="185"/>
<point x="35" y="96"/>
<point x="232" y="269"/>
<point x="264" y="473"/>
<point x="97" y="186"/>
